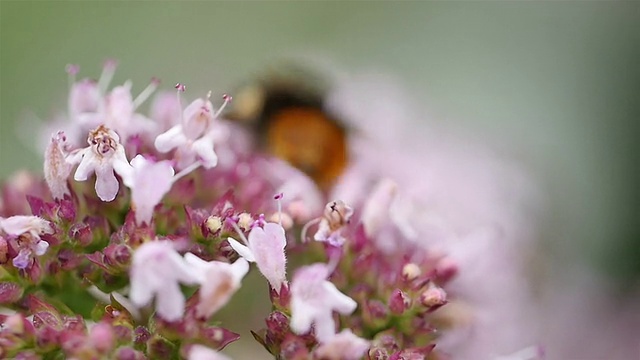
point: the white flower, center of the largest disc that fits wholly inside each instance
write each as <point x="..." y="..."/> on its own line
<point x="313" y="300"/>
<point x="265" y="247"/>
<point x="194" y="138"/>
<point x="201" y="352"/>
<point x="149" y="182"/>
<point x="343" y="346"/>
<point x="157" y="270"/>
<point x="104" y="155"/>
<point x="221" y="281"/>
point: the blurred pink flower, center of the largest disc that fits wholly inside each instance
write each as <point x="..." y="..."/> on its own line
<point x="343" y="346"/>
<point x="313" y="300"/>
<point x="201" y="352"/>
<point x="156" y="271"/>
<point x="221" y="281"/>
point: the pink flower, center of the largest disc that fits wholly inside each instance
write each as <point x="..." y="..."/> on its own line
<point x="336" y="215"/>
<point x="157" y="270"/>
<point x="265" y="246"/>
<point x="28" y="229"/>
<point x="343" y="346"/>
<point x="201" y="352"/>
<point x="313" y="300"/>
<point x="194" y="138"/>
<point x="56" y="168"/>
<point x="104" y="155"/>
<point x="221" y="281"/>
<point x="117" y="111"/>
<point x="149" y="182"/>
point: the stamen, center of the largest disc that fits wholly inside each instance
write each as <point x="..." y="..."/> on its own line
<point x="181" y="88"/>
<point x="235" y="226"/>
<point x="305" y="229"/>
<point x="227" y="99"/>
<point x="186" y="171"/>
<point x="278" y="198"/>
<point x="108" y="69"/>
<point x="144" y="95"/>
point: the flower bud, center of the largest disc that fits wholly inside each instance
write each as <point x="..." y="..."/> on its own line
<point x="213" y="224"/>
<point x="244" y="221"/>
<point x="140" y="337"/>
<point x="433" y="296"/>
<point x="294" y="347"/>
<point x="277" y="325"/>
<point x="102" y="337"/>
<point x="127" y="353"/>
<point x="82" y="233"/>
<point x="411" y="271"/>
<point x="9" y="292"/>
<point x="399" y="302"/>
<point x="283" y="218"/>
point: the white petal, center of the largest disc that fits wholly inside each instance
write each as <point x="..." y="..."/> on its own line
<point x="138" y="161"/>
<point x="240" y="268"/>
<point x="170" y="302"/>
<point x="337" y="300"/>
<point x="170" y="140"/>
<point x="20" y="224"/>
<point x="325" y="327"/>
<point x="142" y="290"/>
<point x="121" y="166"/>
<point x="150" y="184"/>
<point x="301" y="316"/>
<point x="106" y="183"/>
<point x="41" y="247"/>
<point x="244" y="251"/>
<point x="203" y="147"/>
<point x="196" y="262"/>
<point x="87" y="166"/>
<point x="201" y="352"/>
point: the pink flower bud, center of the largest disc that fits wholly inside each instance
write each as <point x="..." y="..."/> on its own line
<point x="399" y="302"/>
<point x="411" y="271"/>
<point x="102" y="337"/>
<point x="433" y="296"/>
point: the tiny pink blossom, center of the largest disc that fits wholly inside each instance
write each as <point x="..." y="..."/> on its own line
<point x="29" y="229"/>
<point x="194" y="137"/>
<point x="56" y="168"/>
<point x="265" y="246"/>
<point x="157" y="270"/>
<point x="221" y="281"/>
<point x="313" y="300"/>
<point x="149" y="182"/>
<point x="336" y="215"/>
<point x="201" y="352"/>
<point x="104" y="155"/>
<point x="84" y="99"/>
<point x="376" y="209"/>
<point x="117" y="111"/>
<point x="343" y="346"/>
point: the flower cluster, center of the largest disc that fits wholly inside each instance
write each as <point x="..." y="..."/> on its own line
<point x="132" y="256"/>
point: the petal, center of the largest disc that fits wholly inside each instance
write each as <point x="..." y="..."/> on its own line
<point x="201" y="352"/>
<point x="22" y="260"/>
<point x="170" y="302"/>
<point x="197" y="116"/>
<point x="150" y="184"/>
<point x="242" y="250"/>
<point x="376" y="209"/>
<point x="142" y="290"/>
<point x="325" y="327"/>
<point x="337" y="300"/>
<point x="181" y="271"/>
<point x="239" y="269"/>
<point x="106" y="183"/>
<point x="121" y="166"/>
<point x="170" y="140"/>
<point x="87" y="165"/>
<point x="203" y="147"/>
<point x="216" y="291"/>
<point x="41" y="247"/>
<point x="20" y="224"/>
<point x="196" y="262"/>
<point x="343" y="346"/>
<point x="267" y="245"/>
<point x="301" y="316"/>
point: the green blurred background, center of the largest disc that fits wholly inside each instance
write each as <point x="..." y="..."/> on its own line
<point x="555" y="85"/>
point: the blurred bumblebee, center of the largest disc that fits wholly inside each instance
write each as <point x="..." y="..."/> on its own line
<point x="285" y="111"/>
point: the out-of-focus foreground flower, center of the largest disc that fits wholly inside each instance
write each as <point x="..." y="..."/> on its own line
<point x="380" y="255"/>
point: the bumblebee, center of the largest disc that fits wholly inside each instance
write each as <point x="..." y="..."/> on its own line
<point x="285" y="110"/>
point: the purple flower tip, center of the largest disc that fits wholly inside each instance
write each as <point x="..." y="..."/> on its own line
<point x="72" y="69"/>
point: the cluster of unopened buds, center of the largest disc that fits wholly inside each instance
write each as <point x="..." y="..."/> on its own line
<point x="134" y="243"/>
